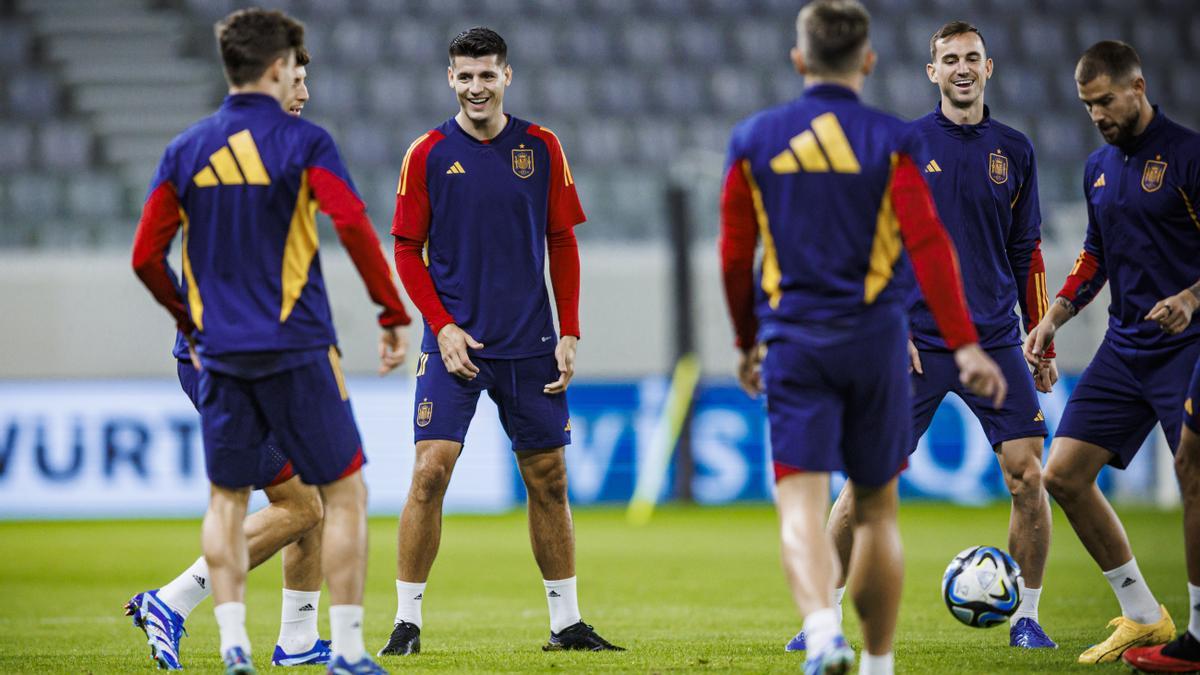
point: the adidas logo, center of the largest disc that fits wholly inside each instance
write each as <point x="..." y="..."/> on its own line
<point x="420" y="596"/>
<point x="821" y="149"/>
<point x="1099" y="182"/>
<point x="237" y="163"/>
<point x="200" y="580"/>
<point x="308" y="607"/>
<point x="1039" y="417"/>
<point x="553" y="594"/>
<point x="456" y="168"/>
<point x="1128" y="582"/>
<point x="932" y="167"/>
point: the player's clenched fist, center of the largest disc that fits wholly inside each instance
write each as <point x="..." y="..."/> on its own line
<point x="749" y="369"/>
<point x="980" y="374"/>
<point x="453" y="343"/>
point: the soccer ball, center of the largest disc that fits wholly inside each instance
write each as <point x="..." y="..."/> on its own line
<point x="982" y="586"/>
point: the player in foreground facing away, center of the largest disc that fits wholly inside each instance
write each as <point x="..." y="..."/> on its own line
<point x="1144" y="236"/>
<point x="245" y="184"/>
<point x="1182" y="655"/>
<point x="983" y="179"/>
<point x="490" y="195"/>
<point x="830" y="187"/>
<point x="288" y="524"/>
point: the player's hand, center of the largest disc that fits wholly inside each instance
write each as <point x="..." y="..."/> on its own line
<point x="564" y="353"/>
<point x="749" y="369"/>
<point x="979" y="373"/>
<point x="393" y="346"/>
<point x="1173" y="314"/>
<point x="453" y="343"/>
<point x="1035" y="343"/>
<point x="1045" y="375"/>
<point x="192" y="353"/>
<point x="914" y="359"/>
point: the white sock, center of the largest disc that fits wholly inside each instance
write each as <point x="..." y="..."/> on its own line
<point x="188" y="589"/>
<point x="408" y="602"/>
<point x="1194" y="603"/>
<point x="298" y="620"/>
<point x="869" y="664"/>
<point x="1029" y="603"/>
<point x="838" y="594"/>
<point x="345" y="624"/>
<point x="563" y="603"/>
<point x="1137" y="602"/>
<point x="231" y="620"/>
<point x="821" y="628"/>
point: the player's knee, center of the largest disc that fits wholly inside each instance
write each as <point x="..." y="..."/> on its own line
<point x="546" y="482"/>
<point x="309" y="511"/>
<point x="1187" y="462"/>
<point x="1024" y="479"/>
<point x="429" y="482"/>
<point x="1061" y="487"/>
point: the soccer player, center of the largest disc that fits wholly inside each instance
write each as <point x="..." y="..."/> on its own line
<point x="490" y="196"/>
<point x="288" y="524"/>
<point x="830" y="187"/>
<point x="983" y="179"/>
<point x="245" y="184"/>
<point x="1143" y="235"/>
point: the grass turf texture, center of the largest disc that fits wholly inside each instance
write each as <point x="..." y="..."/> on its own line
<point x="697" y="589"/>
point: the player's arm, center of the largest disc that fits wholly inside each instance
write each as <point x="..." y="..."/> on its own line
<point x="737" y="243"/>
<point x="935" y="266"/>
<point x="156" y="228"/>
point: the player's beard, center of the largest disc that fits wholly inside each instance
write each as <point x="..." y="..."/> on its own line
<point x="1124" y="130"/>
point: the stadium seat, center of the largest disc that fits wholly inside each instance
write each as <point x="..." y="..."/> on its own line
<point x="620" y="95"/>
<point x="64" y="145"/>
<point x="367" y="145"/>
<point x="34" y="195"/>
<point x="760" y="42"/>
<point x="604" y="145"/>
<point x="1045" y="41"/>
<point x="16" y="146"/>
<point x="643" y="41"/>
<point x="657" y="140"/>
<point x="16" y="43"/>
<point x="735" y="91"/>
<point x="1061" y="138"/>
<point x="701" y="42"/>
<point x="357" y="42"/>
<point x="33" y="94"/>
<point x="1156" y="38"/>
<point x="94" y="196"/>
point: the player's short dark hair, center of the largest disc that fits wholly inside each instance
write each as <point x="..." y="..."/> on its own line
<point x="251" y="39"/>
<point x="833" y="35"/>
<point x="1114" y="58"/>
<point x="302" y="56"/>
<point x="950" y="30"/>
<point x="477" y="43"/>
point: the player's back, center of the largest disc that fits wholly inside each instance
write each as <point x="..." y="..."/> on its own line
<point x="251" y="275"/>
<point x="819" y="170"/>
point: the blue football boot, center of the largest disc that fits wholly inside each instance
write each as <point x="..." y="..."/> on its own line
<point x="796" y="644"/>
<point x="836" y="659"/>
<point x="317" y="655"/>
<point x="1027" y="634"/>
<point x="237" y="662"/>
<point x="364" y="666"/>
<point x="162" y="625"/>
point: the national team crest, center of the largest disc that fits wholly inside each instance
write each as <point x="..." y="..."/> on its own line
<point x="997" y="168"/>
<point x="424" y="413"/>
<point x="522" y="162"/>
<point x="1152" y="175"/>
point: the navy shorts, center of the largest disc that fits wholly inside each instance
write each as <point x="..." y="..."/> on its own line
<point x="1020" y="416"/>
<point x="841" y="405"/>
<point x="303" y="412"/>
<point x="1191" y="404"/>
<point x="274" y="467"/>
<point x="1124" y="392"/>
<point x="533" y="420"/>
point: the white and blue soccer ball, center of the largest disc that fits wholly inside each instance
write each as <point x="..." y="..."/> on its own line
<point x="982" y="586"/>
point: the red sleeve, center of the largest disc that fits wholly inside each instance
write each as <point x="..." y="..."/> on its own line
<point x="1085" y="280"/>
<point x="563" y="250"/>
<point x="411" y="220"/>
<point x="156" y="228"/>
<point x="419" y="284"/>
<point x="565" y="211"/>
<point x="354" y="228"/>
<point x="932" y="255"/>
<point x="738" y="239"/>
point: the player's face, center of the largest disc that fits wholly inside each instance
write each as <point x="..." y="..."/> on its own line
<point x="1113" y="106"/>
<point x="961" y="69"/>
<point x="294" y="103"/>
<point x="283" y="74"/>
<point x="479" y="84"/>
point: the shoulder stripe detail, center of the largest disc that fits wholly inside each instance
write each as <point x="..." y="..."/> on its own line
<point x="402" y="185"/>
<point x="567" y="177"/>
<point x="1187" y="202"/>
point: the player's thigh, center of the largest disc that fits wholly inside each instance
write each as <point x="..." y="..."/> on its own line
<point x="1074" y="465"/>
<point x="939" y="377"/>
<point x="308" y="411"/>
<point x="804" y="411"/>
<point x="533" y="419"/>
<point x="877" y="423"/>
<point x="1166" y="381"/>
<point x="1107" y="408"/>
<point x="445" y="403"/>
<point x="232" y="427"/>
<point x="1021" y="414"/>
<point x="274" y="467"/>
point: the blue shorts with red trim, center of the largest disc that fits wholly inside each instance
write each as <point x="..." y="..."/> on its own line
<point x="1020" y="416"/>
<point x="1191" y="404"/>
<point x="1126" y="391"/>
<point x="274" y="467"/>
<point x="533" y="419"/>
<point x="301" y="416"/>
<point x="838" y="398"/>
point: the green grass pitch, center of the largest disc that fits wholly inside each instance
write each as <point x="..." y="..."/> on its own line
<point x="699" y="589"/>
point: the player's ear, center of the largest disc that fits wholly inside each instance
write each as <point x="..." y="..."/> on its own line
<point x="450" y="76"/>
<point x="869" y="60"/>
<point x="987" y="68"/>
<point x="798" y="61"/>
<point x="507" y="74"/>
<point x="1138" y="83"/>
<point x="931" y="73"/>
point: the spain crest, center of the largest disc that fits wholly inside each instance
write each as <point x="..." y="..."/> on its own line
<point x="1152" y="175"/>
<point x="997" y="168"/>
<point x="522" y="161"/>
<point x="424" y="413"/>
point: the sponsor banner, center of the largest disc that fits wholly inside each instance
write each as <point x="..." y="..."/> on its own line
<point x="133" y="449"/>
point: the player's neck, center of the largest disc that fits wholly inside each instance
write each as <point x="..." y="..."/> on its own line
<point x="853" y="82"/>
<point x="260" y="87"/>
<point x="972" y="114"/>
<point x="484" y="130"/>
<point x="1145" y="116"/>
